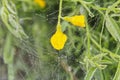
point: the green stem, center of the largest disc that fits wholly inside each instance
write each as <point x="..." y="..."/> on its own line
<point x="85" y="6"/>
<point x="10" y="72"/>
<point x="118" y="47"/>
<point x="99" y="9"/>
<point x="112" y="7"/>
<point x="88" y="39"/>
<point x="87" y="27"/>
<point x="117" y="74"/>
<point x="60" y="11"/>
<point x="104" y="49"/>
<point x="102" y="33"/>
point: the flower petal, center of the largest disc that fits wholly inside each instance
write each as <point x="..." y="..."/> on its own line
<point x="58" y="39"/>
<point x="77" y="20"/>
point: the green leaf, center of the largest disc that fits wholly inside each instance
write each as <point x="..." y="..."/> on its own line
<point x="90" y="73"/>
<point x="113" y="28"/>
<point x="8" y="53"/>
<point x="10" y="19"/>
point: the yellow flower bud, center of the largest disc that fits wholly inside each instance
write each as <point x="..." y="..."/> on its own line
<point x="41" y="3"/>
<point x="77" y="20"/>
<point x="58" y="39"/>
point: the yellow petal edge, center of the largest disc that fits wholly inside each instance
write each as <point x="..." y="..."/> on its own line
<point x="58" y="39"/>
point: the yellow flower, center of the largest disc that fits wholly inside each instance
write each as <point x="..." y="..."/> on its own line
<point x="77" y="20"/>
<point x="41" y="3"/>
<point x="58" y="39"/>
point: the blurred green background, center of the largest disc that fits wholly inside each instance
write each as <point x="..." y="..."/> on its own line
<point x="91" y="53"/>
